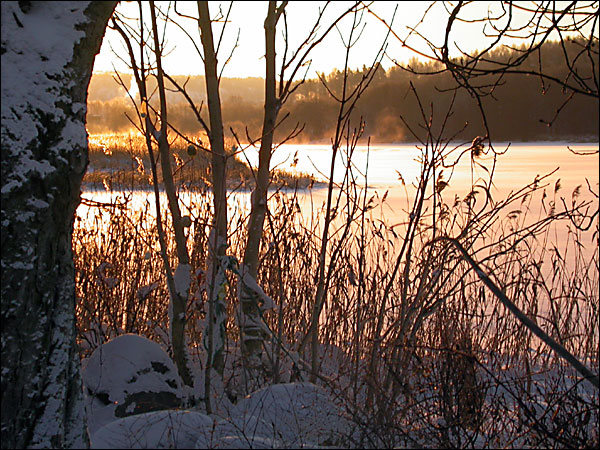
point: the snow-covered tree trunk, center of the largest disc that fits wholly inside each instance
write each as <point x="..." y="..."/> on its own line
<point x="214" y="333"/>
<point x="47" y="52"/>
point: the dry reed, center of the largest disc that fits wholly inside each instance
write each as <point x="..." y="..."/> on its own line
<point x="453" y="367"/>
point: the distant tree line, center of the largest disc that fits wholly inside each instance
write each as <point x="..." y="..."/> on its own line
<point x="520" y="108"/>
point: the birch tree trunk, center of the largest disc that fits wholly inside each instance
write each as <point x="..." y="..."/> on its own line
<point x="215" y="330"/>
<point x="48" y="51"/>
<point x="252" y="334"/>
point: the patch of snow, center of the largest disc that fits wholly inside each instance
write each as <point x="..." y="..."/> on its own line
<point x="8" y="187"/>
<point x="159" y="429"/>
<point x="296" y="413"/>
<point x="182" y="279"/>
<point x="144" y="291"/>
<point x="236" y="432"/>
<point x="22" y="265"/>
<point x="37" y="203"/>
<point x="24" y="217"/>
<point x="239" y="442"/>
<point x="220" y="403"/>
<point x="250" y="282"/>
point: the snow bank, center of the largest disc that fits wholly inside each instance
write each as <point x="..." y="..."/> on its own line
<point x="296" y="414"/>
<point x="160" y="429"/>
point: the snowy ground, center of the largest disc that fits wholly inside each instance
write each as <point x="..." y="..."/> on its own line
<point x="134" y="399"/>
<point x="130" y="373"/>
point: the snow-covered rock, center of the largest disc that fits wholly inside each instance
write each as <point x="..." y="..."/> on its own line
<point x="159" y="429"/>
<point x="294" y="414"/>
<point x="128" y="375"/>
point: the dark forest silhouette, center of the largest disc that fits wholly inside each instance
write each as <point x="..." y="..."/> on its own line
<point x="520" y="108"/>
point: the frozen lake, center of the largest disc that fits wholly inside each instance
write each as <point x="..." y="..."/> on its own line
<point x="518" y="166"/>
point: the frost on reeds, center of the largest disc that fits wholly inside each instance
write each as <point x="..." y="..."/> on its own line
<point x="412" y="344"/>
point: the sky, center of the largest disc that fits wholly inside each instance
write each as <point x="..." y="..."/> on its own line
<point x="247" y="18"/>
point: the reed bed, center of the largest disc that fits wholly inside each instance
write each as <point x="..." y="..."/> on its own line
<point x="121" y="162"/>
<point x="421" y="354"/>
